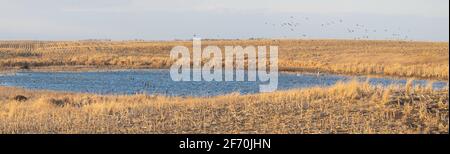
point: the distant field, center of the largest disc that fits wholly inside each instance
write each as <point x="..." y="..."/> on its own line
<point x="386" y="58"/>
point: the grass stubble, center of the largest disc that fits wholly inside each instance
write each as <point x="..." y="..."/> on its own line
<point x="351" y="107"/>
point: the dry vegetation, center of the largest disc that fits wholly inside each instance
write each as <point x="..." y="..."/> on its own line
<point x="352" y="107"/>
<point x="344" y="108"/>
<point x="391" y="58"/>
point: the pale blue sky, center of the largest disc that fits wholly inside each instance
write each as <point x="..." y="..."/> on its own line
<point x="181" y="19"/>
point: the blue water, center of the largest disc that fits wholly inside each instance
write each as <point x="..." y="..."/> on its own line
<point x="159" y="82"/>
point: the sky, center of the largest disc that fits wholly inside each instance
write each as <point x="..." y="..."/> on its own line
<point x="426" y="20"/>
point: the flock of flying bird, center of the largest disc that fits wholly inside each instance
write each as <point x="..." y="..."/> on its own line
<point x="358" y="31"/>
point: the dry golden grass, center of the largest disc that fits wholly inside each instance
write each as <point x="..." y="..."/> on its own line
<point x="352" y="107"/>
<point x="343" y="108"/>
<point x="387" y="58"/>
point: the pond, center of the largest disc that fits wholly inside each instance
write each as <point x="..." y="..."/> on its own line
<point x="158" y="81"/>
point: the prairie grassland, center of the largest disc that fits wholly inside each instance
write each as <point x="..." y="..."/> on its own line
<point x="428" y="60"/>
<point x="353" y="107"/>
